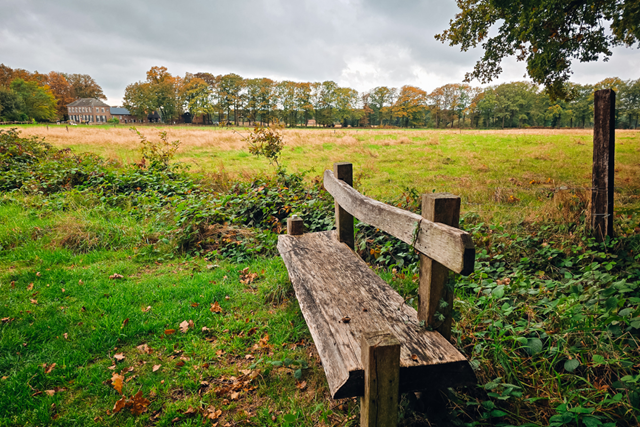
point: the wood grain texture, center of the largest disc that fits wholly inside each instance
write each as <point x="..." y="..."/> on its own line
<point x="295" y="226"/>
<point x="381" y="361"/>
<point x="331" y="284"/>
<point x="445" y="209"/>
<point x="449" y="246"/>
<point x="344" y="220"/>
<point x="604" y="120"/>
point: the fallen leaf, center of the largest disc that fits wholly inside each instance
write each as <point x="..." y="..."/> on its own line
<point x="50" y="392"/>
<point x="156" y="367"/>
<point x="48" y="369"/>
<point x="13" y="284"/>
<point x="124" y="322"/>
<point x="249" y="357"/>
<point x="63" y="290"/>
<point x="346" y="319"/>
<point x="66" y="336"/>
<point x="119" y="357"/>
<point x="30" y="287"/>
<point x="191" y="324"/>
<point x="80" y="282"/>
<point x="130" y="378"/>
<point x="144" y="310"/>
<point x="194" y="304"/>
<point x="245" y="371"/>
<point x="144" y="349"/>
<point x="204" y="328"/>
<point x="34" y="301"/>
<point x="38" y="274"/>
<point x="116" y="276"/>
<point x="8" y="319"/>
<point x="5" y="378"/>
<point x="302" y="385"/>
<point x="169" y="331"/>
<point x="117" y="381"/>
<point x="120" y="404"/>
<point x="184" y="326"/>
<point x="215" y="308"/>
<point x="234" y="395"/>
<point x="180" y="363"/>
<point x="190" y="410"/>
<point x="219" y="353"/>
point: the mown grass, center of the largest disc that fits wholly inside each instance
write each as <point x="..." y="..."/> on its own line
<point x="550" y="320"/>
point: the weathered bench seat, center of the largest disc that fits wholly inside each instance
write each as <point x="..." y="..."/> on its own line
<point x="341" y="298"/>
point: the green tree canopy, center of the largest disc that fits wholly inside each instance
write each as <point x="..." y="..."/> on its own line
<point x="547" y="34"/>
<point x="39" y="102"/>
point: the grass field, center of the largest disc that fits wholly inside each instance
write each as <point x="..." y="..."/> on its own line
<point x="160" y="291"/>
<point x="506" y="173"/>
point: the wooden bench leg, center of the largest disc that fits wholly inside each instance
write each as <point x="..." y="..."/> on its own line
<point x="381" y="362"/>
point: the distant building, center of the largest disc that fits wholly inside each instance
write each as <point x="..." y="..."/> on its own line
<point x="88" y="110"/>
<point x="124" y="116"/>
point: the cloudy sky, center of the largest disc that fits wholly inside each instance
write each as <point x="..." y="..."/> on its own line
<point x="356" y="43"/>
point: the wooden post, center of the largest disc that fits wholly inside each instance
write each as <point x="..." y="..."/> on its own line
<point x="344" y="220"/>
<point x="604" y="133"/>
<point x="381" y="362"/>
<point x="295" y="226"/>
<point x="435" y="299"/>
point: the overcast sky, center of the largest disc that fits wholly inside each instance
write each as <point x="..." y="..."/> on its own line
<point x="356" y="43"/>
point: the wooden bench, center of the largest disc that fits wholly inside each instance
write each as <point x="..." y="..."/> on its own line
<point x="370" y="342"/>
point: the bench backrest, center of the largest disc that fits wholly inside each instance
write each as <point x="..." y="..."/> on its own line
<point x="435" y="234"/>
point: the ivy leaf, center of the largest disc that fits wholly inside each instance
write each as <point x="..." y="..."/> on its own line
<point x="571" y="365"/>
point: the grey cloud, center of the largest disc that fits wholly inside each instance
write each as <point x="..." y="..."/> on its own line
<point x="359" y="42"/>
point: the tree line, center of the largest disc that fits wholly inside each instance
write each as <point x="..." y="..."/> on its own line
<point x="27" y="96"/>
<point x="231" y="98"/>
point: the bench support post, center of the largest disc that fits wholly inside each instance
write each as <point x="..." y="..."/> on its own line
<point x="344" y="220"/>
<point x="381" y="362"/>
<point x="435" y="299"/>
<point x="604" y="141"/>
<point x="295" y="226"/>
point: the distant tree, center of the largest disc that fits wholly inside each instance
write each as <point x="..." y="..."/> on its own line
<point x="304" y="103"/>
<point x="195" y="96"/>
<point x="159" y="93"/>
<point x="285" y="92"/>
<point x="62" y="90"/>
<point x="39" y="102"/>
<point x="546" y="34"/>
<point x="630" y="100"/>
<point x="381" y="99"/>
<point x="229" y="92"/>
<point x="11" y="106"/>
<point x="410" y="105"/>
<point x="84" y="86"/>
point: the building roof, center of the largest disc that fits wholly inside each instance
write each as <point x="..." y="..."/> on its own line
<point x="116" y="111"/>
<point x="87" y="102"/>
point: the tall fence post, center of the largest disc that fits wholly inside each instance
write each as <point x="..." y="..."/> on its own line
<point x="344" y="220"/>
<point x="435" y="298"/>
<point x="604" y="134"/>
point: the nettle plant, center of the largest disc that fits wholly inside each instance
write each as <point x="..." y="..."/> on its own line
<point x="266" y="141"/>
<point x="157" y="154"/>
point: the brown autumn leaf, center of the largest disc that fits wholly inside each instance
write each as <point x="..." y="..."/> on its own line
<point x="34" y="301"/>
<point x="204" y="328"/>
<point x="63" y="290"/>
<point x="190" y="410"/>
<point x="146" y="309"/>
<point x="301" y="386"/>
<point x="184" y="326"/>
<point x="249" y="357"/>
<point x="212" y="414"/>
<point x="169" y="331"/>
<point x="80" y="282"/>
<point x="144" y="349"/>
<point x="66" y="336"/>
<point x="119" y="356"/>
<point x="194" y="304"/>
<point x="13" y="283"/>
<point x="30" y="287"/>
<point x="191" y="324"/>
<point x="124" y="322"/>
<point x="120" y="404"/>
<point x="180" y="364"/>
<point x="115" y="276"/>
<point x="234" y="395"/>
<point x="48" y="369"/>
<point x="50" y="392"/>
<point x="215" y="308"/>
<point x="156" y="367"/>
<point x="117" y="381"/>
